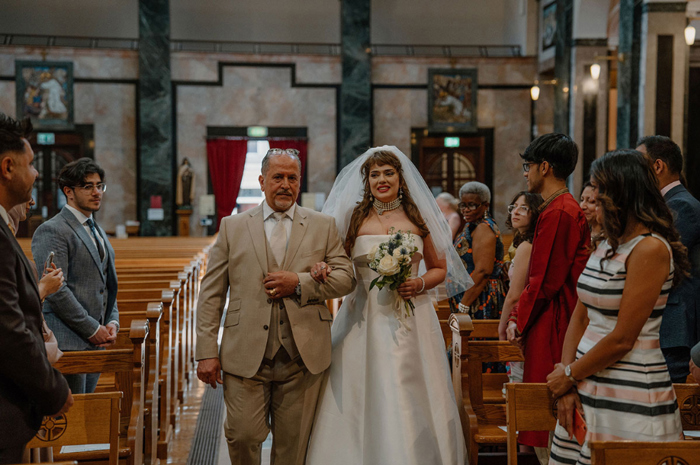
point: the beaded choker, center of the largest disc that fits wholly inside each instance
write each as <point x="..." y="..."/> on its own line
<point x="382" y="207"/>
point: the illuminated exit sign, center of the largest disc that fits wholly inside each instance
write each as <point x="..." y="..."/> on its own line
<point x="45" y="138"/>
<point x="451" y="141"/>
<point x="257" y="131"/>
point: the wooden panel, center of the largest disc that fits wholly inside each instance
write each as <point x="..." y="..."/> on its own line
<point x="645" y="453"/>
<point x="94" y="361"/>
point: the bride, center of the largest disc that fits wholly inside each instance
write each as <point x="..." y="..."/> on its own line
<point x="388" y="397"/>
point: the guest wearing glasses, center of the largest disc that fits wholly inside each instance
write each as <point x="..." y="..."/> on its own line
<point x="588" y="206"/>
<point x="83" y="312"/>
<point x="523" y="213"/>
<point x="481" y="249"/>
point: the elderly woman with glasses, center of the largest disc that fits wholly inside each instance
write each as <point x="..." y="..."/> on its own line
<point x="481" y="249"/>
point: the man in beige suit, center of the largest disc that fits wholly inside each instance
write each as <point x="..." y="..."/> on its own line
<point x="276" y="341"/>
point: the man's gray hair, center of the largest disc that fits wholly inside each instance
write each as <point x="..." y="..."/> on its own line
<point x="478" y="188"/>
<point x="292" y="153"/>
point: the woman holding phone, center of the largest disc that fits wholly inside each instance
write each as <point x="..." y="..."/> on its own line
<point x="612" y="370"/>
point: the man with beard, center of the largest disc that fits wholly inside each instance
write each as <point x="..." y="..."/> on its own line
<point x="560" y="250"/>
<point x="29" y="387"/>
<point x="83" y="312"/>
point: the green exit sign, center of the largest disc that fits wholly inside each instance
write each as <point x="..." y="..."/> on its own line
<point x="451" y="141"/>
<point x="257" y="131"/>
<point x="45" y="138"/>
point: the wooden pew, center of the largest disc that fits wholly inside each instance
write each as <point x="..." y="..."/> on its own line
<point x="480" y="420"/>
<point x="93" y="419"/>
<point x="529" y="407"/>
<point x="128" y="366"/>
<point x="645" y="453"/>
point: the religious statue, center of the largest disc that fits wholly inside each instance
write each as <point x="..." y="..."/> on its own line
<point x="185" y="185"/>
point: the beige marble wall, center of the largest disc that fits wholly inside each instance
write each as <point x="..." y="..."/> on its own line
<point x="110" y="107"/>
<point x="256" y="96"/>
<point x="507" y="111"/>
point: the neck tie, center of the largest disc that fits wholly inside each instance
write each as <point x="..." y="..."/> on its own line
<point x="100" y="250"/>
<point x="278" y="239"/>
<point x="12" y="228"/>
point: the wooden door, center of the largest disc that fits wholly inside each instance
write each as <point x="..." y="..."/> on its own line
<point x="446" y="169"/>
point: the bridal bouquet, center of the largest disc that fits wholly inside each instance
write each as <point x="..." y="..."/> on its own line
<point x="392" y="260"/>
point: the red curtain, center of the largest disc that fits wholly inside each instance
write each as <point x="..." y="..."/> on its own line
<point x="226" y="162"/>
<point x="299" y="144"/>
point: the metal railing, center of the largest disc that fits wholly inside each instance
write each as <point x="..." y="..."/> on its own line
<point x="265" y="48"/>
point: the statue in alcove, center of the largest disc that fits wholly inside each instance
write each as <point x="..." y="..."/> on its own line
<point x="185" y="185"/>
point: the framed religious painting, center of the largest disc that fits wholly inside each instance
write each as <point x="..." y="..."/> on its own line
<point x="45" y="93"/>
<point x="452" y="100"/>
<point x="549" y="25"/>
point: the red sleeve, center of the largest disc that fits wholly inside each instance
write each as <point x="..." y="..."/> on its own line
<point x="553" y="253"/>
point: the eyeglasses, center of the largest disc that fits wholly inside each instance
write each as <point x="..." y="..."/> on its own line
<point x="88" y="188"/>
<point x="522" y="209"/>
<point x="526" y="166"/>
<point x="469" y="206"/>
<point x="293" y="152"/>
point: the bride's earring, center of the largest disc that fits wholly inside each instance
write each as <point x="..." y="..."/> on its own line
<point x="371" y="197"/>
<point x="400" y="193"/>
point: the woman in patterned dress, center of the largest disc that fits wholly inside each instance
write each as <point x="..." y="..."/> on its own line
<point x="481" y="249"/>
<point x="612" y="367"/>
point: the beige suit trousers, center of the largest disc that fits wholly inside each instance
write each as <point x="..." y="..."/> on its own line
<point x="281" y="398"/>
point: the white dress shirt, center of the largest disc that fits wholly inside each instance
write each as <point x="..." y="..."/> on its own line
<point x="3" y="214"/>
<point x="271" y="221"/>
<point x="670" y="186"/>
<point x="82" y="219"/>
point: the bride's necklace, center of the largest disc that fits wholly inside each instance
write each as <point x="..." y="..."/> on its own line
<point x="382" y="207"/>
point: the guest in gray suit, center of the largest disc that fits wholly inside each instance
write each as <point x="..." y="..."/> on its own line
<point x="83" y="312"/>
<point x="680" y="326"/>
<point x="29" y="387"/>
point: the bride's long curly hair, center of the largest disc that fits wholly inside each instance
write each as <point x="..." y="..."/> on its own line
<point x="627" y="188"/>
<point x="364" y="206"/>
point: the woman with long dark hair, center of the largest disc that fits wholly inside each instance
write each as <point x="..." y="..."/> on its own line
<point x="613" y="371"/>
<point x="389" y="381"/>
<point x="523" y="212"/>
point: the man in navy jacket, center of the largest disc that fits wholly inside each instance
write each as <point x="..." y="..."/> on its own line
<point x="680" y="326"/>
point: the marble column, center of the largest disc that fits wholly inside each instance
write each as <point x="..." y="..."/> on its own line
<point x="589" y="102"/>
<point x="663" y="70"/>
<point x="628" y="74"/>
<point x="356" y="86"/>
<point x="562" y="65"/>
<point x="156" y="161"/>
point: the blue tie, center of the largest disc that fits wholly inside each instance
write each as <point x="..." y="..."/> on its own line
<point x="97" y="241"/>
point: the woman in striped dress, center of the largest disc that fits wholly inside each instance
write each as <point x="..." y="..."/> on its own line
<point x="612" y="367"/>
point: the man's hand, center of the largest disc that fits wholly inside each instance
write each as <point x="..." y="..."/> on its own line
<point x="209" y="371"/>
<point x="103" y="337"/>
<point x="66" y="406"/>
<point x="280" y="284"/>
<point x="511" y="334"/>
<point x="695" y="371"/>
<point x="112" y="328"/>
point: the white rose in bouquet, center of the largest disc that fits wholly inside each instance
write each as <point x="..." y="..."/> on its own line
<point x="402" y="255"/>
<point x="388" y="266"/>
<point x="373" y="253"/>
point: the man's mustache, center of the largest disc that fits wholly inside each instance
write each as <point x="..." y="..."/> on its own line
<point x="284" y="193"/>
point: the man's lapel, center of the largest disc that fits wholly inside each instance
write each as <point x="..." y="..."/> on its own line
<point x="298" y="230"/>
<point x="73" y="222"/>
<point x="20" y="253"/>
<point x="257" y="235"/>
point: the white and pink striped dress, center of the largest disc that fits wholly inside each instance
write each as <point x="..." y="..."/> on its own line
<point x="632" y="399"/>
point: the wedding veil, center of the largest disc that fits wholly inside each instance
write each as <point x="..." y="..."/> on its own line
<point x="348" y="190"/>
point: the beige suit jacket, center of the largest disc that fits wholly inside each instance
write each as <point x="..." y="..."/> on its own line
<point x="238" y="261"/>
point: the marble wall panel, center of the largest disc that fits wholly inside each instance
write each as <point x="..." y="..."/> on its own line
<point x="257" y="96"/>
<point x="8" y="104"/>
<point x="87" y="63"/>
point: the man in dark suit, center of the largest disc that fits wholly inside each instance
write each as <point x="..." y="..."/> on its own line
<point x="82" y="313"/>
<point x="29" y="387"/>
<point x="680" y="326"/>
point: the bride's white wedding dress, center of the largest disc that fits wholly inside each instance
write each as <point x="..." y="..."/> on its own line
<point x="388" y="398"/>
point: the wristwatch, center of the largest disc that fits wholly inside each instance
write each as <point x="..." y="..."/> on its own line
<point x="567" y="372"/>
